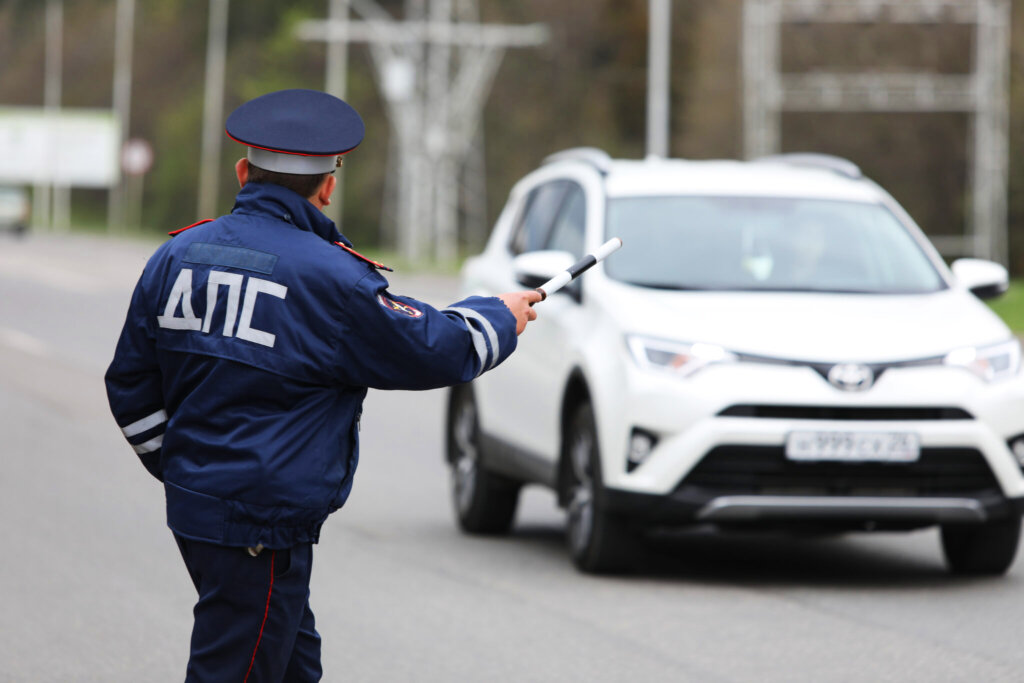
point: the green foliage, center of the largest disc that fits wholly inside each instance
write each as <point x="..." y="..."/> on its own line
<point x="586" y="86"/>
<point x="1010" y="306"/>
<point x="275" y="60"/>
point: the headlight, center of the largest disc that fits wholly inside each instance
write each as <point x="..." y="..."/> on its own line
<point x="675" y="358"/>
<point x="991" y="363"/>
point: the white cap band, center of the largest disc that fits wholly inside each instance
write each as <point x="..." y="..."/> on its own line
<point x="297" y="164"/>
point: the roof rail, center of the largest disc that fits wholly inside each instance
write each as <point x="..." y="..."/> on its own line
<point x="828" y="162"/>
<point x="598" y="158"/>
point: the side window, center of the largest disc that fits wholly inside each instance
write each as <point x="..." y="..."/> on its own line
<point x="535" y="223"/>
<point x="567" y="234"/>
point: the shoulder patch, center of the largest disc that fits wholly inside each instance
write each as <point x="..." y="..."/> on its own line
<point x="398" y="307"/>
<point x="375" y="264"/>
<point x="172" y="233"/>
<point x="231" y="257"/>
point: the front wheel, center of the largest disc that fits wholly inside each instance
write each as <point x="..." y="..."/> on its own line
<point x="484" y="502"/>
<point x="981" y="549"/>
<point x="598" y="540"/>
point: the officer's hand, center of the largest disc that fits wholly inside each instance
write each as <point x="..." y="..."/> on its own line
<point x="519" y="303"/>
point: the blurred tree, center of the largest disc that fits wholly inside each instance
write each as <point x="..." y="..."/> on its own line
<point x="1016" y="199"/>
<point x="585" y="87"/>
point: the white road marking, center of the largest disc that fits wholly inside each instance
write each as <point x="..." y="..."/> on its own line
<point x="49" y="274"/>
<point x="24" y="342"/>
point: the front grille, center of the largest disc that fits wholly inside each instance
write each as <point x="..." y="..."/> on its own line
<point x="765" y="470"/>
<point x="847" y="412"/>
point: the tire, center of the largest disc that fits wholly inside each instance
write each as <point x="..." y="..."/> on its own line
<point x="981" y="549"/>
<point x="484" y="502"/>
<point x="599" y="542"/>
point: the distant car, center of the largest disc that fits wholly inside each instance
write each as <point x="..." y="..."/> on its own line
<point x="14" y="210"/>
<point x="777" y="346"/>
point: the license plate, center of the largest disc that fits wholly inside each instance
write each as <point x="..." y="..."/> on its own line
<point x="853" y="446"/>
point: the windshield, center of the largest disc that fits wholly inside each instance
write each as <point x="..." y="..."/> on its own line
<point x="771" y="244"/>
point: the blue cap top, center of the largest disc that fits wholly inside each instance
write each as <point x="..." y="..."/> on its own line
<point x="296" y="131"/>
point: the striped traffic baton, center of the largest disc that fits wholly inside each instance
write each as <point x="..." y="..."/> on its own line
<point x="578" y="268"/>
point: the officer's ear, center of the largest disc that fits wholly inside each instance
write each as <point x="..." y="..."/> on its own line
<point x="242" y="171"/>
<point x="326" y="189"/>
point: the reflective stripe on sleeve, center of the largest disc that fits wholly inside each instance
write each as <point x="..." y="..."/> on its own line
<point x="478" y="342"/>
<point x="146" y="423"/>
<point x="480" y="345"/>
<point x="150" y="446"/>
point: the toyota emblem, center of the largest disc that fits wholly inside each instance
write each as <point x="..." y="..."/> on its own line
<point x="851" y="377"/>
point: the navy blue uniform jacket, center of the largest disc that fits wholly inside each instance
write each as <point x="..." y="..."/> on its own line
<point x="241" y="370"/>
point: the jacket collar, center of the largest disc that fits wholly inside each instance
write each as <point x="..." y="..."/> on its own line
<point x="278" y="202"/>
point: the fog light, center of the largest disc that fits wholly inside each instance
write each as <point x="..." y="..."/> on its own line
<point x="641" y="444"/>
<point x="1017" y="447"/>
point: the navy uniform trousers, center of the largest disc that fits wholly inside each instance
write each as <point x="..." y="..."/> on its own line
<point x="252" y="620"/>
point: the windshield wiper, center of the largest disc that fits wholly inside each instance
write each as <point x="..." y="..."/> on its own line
<point x="669" y="286"/>
<point x="814" y="290"/>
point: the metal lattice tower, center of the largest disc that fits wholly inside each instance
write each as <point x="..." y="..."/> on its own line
<point x="435" y="69"/>
<point x="983" y="93"/>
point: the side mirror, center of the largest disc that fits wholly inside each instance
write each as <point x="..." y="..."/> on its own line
<point x="534" y="268"/>
<point x="985" y="279"/>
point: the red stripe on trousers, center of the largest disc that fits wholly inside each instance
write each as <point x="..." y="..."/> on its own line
<point x="266" y="612"/>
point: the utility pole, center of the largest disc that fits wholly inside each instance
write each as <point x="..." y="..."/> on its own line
<point x="659" y="35"/>
<point x="473" y="174"/>
<point x="336" y="83"/>
<point x="434" y="107"/>
<point x="213" y="108"/>
<point x="124" y="33"/>
<point x="61" y="216"/>
<point x="44" y="192"/>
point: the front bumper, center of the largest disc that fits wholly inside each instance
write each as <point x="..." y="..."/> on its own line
<point x="757" y="508"/>
<point x="757" y="407"/>
<point x="721" y="435"/>
<point x="688" y="507"/>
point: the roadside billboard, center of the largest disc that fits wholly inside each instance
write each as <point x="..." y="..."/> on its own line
<point x="65" y="147"/>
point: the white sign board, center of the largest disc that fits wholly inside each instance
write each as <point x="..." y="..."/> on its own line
<point x="70" y="147"/>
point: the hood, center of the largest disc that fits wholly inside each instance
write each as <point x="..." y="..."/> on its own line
<point x="812" y="326"/>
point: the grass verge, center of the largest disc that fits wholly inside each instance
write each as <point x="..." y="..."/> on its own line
<point x="1010" y="306"/>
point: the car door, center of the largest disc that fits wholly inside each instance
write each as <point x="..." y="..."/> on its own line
<point x="523" y="397"/>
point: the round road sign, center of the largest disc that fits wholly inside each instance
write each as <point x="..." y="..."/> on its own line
<point x="136" y="156"/>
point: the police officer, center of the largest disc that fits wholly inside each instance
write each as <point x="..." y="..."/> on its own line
<point x="240" y="374"/>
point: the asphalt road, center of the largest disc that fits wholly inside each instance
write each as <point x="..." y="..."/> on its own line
<point x="93" y="589"/>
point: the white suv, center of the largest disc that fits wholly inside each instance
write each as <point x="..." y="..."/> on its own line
<point x="776" y="346"/>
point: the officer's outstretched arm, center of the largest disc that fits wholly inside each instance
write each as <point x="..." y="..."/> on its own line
<point x="394" y="342"/>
